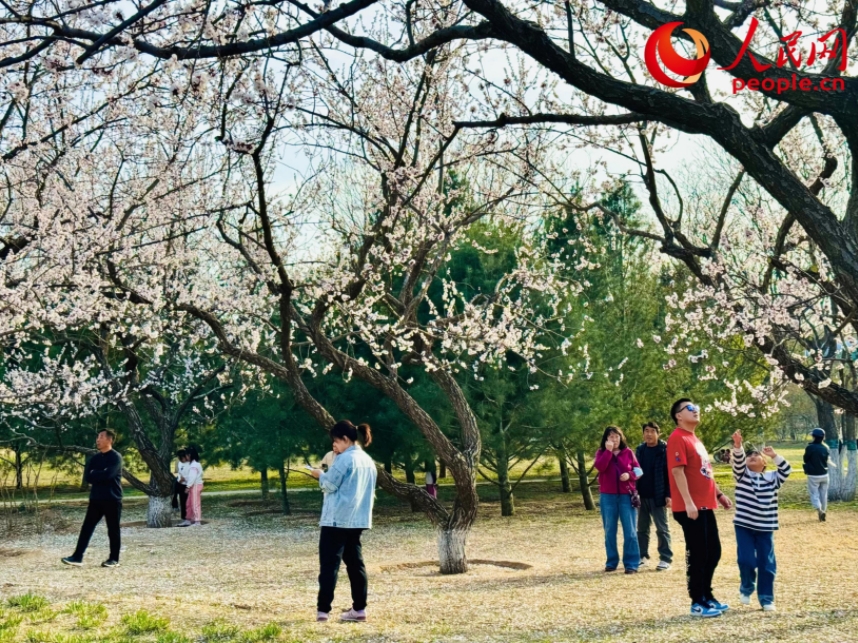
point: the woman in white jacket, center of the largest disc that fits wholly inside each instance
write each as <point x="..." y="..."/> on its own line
<point x="194" y="482"/>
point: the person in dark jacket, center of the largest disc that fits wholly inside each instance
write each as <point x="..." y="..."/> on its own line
<point x="816" y="469"/>
<point x="104" y="473"/>
<point x="654" y="490"/>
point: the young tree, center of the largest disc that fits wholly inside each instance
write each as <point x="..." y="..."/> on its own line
<point x="154" y="383"/>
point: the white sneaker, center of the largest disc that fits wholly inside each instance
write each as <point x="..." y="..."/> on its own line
<point x="321" y="617"/>
<point x="744" y="599"/>
<point x="644" y="561"/>
<point x="662" y="566"/>
<point x="769" y="607"/>
<point x="184" y="523"/>
<point x="354" y="616"/>
<point x="197" y="524"/>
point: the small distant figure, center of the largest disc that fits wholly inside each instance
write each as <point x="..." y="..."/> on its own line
<point x="180" y="491"/>
<point x="816" y="467"/>
<point x="431" y="483"/>
<point x="194" y="483"/>
<point x="756" y="520"/>
<point x="104" y="473"/>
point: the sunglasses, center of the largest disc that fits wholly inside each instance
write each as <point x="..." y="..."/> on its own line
<point x="690" y="407"/>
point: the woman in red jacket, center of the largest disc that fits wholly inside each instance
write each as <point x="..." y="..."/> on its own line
<point x="618" y="469"/>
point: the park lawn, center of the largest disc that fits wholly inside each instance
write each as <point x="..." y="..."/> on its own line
<point x="250" y="576"/>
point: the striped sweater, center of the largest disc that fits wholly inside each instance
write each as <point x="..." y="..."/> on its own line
<point x="757" y="493"/>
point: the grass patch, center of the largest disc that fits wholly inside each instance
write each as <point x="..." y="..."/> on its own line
<point x="10" y="622"/>
<point x="89" y="615"/>
<point x="172" y="637"/>
<point x="142" y="622"/>
<point x="28" y="602"/>
<point x="220" y="630"/>
<point x="268" y="632"/>
<point x="42" y="616"/>
<point x="35" y="636"/>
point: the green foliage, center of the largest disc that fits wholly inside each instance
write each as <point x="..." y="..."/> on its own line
<point x="28" y="602"/>
<point x="142" y="622"/>
<point x="622" y="372"/>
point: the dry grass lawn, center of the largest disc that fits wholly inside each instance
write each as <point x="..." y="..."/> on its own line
<point x="253" y="578"/>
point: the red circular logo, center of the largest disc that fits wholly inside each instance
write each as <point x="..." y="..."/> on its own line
<point x="659" y="46"/>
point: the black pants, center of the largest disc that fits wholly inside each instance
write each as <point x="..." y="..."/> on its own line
<point x="180" y="498"/>
<point x="335" y="545"/>
<point x="702" y="552"/>
<point x="111" y="511"/>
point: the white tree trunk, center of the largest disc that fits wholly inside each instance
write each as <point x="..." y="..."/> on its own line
<point x="848" y="488"/>
<point x="160" y="513"/>
<point x="451" y="550"/>
<point x="835" y="474"/>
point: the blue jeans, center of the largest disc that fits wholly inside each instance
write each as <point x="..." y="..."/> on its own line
<point x="757" y="563"/>
<point x="617" y="507"/>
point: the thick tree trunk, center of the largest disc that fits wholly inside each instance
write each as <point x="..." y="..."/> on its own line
<point x="160" y="512"/>
<point x="589" y="505"/>
<point x="388" y="464"/>
<point x="452" y="543"/>
<point x="835" y="471"/>
<point x="263" y="483"/>
<point x="506" y="499"/>
<point x="828" y="423"/>
<point x="565" y="482"/>
<point x="19" y="469"/>
<point x="442" y="470"/>
<point x="851" y="452"/>
<point x="284" y="475"/>
<point x="411" y="479"/>
<point x="409" y="471"/>
<point x="84" y="485"/>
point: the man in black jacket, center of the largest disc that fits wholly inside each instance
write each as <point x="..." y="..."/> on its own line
<point x="654" y="490"/>
<point x="104" y="473"/>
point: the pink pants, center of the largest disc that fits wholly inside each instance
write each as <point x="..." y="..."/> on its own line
<point x="194" y="505"/>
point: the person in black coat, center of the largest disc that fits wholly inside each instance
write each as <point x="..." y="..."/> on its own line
<point x="654" y="490"/>
<point x="816" y="467"/>
<point x="104" y="473"/>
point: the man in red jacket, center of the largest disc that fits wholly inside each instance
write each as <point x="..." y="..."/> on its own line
<point x="694" y="497"/>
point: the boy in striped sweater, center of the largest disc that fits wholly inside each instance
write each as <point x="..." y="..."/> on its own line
<point x="757" y="519"/>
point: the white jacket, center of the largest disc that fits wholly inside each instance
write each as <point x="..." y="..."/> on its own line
<point x="182" y="470"/>
<point x="194" y="474"/>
